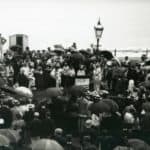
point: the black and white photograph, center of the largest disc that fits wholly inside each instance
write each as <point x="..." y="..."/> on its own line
<point x="75" y="75"/>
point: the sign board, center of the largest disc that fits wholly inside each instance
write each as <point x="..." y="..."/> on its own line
<point x="83" y="82"/>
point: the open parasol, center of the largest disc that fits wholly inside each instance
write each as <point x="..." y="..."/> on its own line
<point x="12" y="135"/>
<point x="46" y="144"/>
<point x="23" y="91"/>
<point x="138" y="144"/>
<point x="4" y="141"/>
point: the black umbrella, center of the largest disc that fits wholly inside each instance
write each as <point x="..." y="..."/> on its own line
<point x="112" y="104"/>
<point x="85" y="52"/>
<point x="106" y="54"/>
<point x="99" y="107"/>
<point x="77" y="57"/>
<point x="46" y="144"/>
<point x="77" y="91"/>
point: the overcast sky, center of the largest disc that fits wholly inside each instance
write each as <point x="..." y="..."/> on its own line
<point x="48" y="22"/>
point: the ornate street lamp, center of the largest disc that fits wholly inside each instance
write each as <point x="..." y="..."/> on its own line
<point x="98" y="33"/>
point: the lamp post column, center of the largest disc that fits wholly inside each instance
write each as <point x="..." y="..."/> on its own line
<point x="97" y="44"/>
<point x="98" y="33"/>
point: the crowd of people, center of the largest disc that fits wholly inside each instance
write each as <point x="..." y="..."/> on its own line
<point x="112" y="110"/>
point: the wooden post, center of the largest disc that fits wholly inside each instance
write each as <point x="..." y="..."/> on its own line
<point x="115" y="52"/>
<point x="147" y="52"/>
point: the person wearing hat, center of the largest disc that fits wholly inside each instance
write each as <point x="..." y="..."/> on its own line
<point x="59" y="137"/>
<point x="89" y="131"/>
<point x="29" y="115"/>
<point x="22" y="78"/>
<point x="35" y="126"/>
<point x="38" y="74"/>
<point x="48" y="126"/>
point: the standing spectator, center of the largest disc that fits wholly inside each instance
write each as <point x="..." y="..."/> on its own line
<point x="29" y="115"/>
<point x="49" y="81"/>
<point x="126" y="61"/>
<point x="108" y="75"/>
<point x="97" y="77"/>
<point x="56" y="74"/>
<point x="31" y="76"/>
<point x="16" y="63"/>
<point x="25" y="68"/>
<point x="35" y="126"/>
<point x="39" y="77"/>
<point x="59" y="137"/>
<point x="68" y="74"/>
<point x="22" y="79"/>
<point x="89" y="131"/>
<point x="47" y="126"/>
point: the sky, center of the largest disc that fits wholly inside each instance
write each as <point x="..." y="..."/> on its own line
<point x="49" y="22"/>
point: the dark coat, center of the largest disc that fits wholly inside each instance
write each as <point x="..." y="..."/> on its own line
<point x="48" y="127"/>
<point x="35" y="127"/>
<point x="23" y="80"/>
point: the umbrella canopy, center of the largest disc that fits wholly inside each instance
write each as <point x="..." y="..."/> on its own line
<point x="77" y="57"/>
<point x="4" y="141"/>
<point x="12" y="135"/>
<point x="138" y="144"/>
<point x="99" y="107"/>
<point x="77" y="90"/>
<point x="112" y="104"/>
<point x="23" y="91"/>
<point x="106" y="54"/>
<point x="85" y="52"/>
<point x="53" y="92"/>
<point x="46" y="144"/>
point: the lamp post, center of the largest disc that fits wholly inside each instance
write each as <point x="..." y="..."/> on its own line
<point x="98" y="33"/>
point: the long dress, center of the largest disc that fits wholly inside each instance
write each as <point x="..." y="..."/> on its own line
<point x="97" y="77"/>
